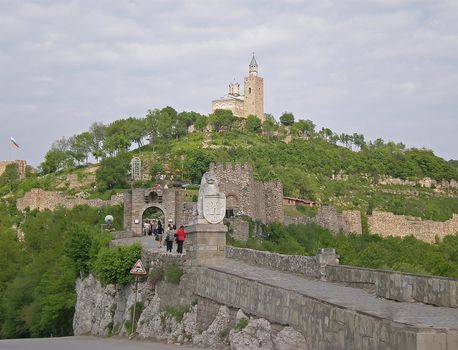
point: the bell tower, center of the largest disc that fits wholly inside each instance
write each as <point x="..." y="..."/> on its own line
<point x="253" y="92"/>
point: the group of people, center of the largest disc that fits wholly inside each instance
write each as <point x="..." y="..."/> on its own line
<point x="154" y="227"/>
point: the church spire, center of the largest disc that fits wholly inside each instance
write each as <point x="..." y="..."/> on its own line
<point x="253" y="66"/>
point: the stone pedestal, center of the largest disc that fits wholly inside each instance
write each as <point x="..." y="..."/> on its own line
<point x="205" y="243"/>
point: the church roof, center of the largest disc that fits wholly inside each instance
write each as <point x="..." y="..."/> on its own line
<point x="253" y="61"/>
<point x="231" y="97"/>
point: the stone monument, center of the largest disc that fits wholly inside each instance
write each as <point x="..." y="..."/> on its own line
<point x="206" y="240"/>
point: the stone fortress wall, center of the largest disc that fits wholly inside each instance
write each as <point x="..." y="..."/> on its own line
<point x="388" y="224"/>
<point x="41" y="200"/>
<point x="348" y="221"/>
<point x="425" y="182"/>
<point x="21" y="167"/>
<point x="261" y="201"/>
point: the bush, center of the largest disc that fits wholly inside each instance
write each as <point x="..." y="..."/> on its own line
<point x="112" y="265"/>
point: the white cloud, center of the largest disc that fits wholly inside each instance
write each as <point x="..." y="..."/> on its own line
<point x="383" y="68"/>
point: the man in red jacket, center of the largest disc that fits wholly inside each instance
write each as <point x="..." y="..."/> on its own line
<point x="181" y="236"/>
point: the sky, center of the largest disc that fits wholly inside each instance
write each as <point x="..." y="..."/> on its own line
<point x="384" y="68"/>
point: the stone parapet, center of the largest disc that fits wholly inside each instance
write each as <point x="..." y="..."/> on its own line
<point x="310" y="266"/>
<point x="432" y="290"/>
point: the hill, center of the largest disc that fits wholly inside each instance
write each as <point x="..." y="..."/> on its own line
<point x="37" y="274"/>
<point x="342" y="170"/>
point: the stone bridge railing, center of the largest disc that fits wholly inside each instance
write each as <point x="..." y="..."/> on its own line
<point x="310" y="266"/>
<point x="433" y="290"/>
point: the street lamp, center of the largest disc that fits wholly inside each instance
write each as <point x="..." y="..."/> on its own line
<point x="108" y="222"/>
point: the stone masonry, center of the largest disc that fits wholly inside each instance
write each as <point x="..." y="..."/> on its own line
<point x="21" y="167"/>
<point x="262" y="201"/>
<point x="170" y="201"/>
<point x="41" y="200"/>
<point x="388" y="224"/>
<point x="347" y="221"/>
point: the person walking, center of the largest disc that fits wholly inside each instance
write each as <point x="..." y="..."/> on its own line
<point x="159" y="232"/>
<point x="169" y="238"/>
<point x="181" y="236"/>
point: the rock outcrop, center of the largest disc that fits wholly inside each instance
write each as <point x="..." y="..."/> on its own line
<point x="173" y="314"/>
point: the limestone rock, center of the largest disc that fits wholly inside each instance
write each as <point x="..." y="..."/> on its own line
<point x="149" y="323"/>
<point x="215" y="335"/>
<point x="94" y="307"/>
<point x="289" y="339"/>
<point x="240" y="315"/>
<point x="256" y="335"/>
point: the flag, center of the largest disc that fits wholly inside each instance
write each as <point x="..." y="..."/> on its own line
<point x="14" y="143"/>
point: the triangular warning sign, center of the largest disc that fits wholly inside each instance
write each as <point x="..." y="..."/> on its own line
<point x="138" y="268"/>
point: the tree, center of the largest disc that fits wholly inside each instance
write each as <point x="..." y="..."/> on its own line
<point x="156" y="169"/>
<point x="222" y="119"/>
<point x="9" y="177"/>
<point x="287" y="119"/>
<point x="113" y="172"/>
<point x="201" y="123"/>
<point x="304" y="128"/>
<point x="253" y="124"/>
<point x="80" y="146"/>
<point x="54" y="161"/>
<point x="97" y="131"/>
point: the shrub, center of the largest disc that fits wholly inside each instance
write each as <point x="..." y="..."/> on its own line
<point x="113" y="265"/>
<point x="243" y="322"/>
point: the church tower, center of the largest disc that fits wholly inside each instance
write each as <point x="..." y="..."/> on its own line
<point x="253" y="92"/>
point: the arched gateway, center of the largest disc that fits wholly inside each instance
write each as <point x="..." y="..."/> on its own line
<point x="136" y="201"/>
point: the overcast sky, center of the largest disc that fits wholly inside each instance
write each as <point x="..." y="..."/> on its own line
<point x="383" y="68"/>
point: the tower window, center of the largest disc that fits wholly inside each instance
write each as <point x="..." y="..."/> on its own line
<point x="249" y="90"/>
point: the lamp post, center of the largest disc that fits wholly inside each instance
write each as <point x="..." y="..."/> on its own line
<point x="108" y="222"/>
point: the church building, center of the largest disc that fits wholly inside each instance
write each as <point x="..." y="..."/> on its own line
<point x="252" y="100"/>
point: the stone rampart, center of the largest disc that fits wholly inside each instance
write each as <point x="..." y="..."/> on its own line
<point x="41" y="200"/>
<point x="388" y="224"/>
<point x="262" y="201"/>
<point x="310" y="266"/>
<point x="347" y="221"/>
<point x="21" y="167"/>
<point x="425" y="182"/>
<point x="324" y="324"/>
<point x="433" y="290"/>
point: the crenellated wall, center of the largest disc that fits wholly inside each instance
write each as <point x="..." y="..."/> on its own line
<point x="261" y="201"/>
<point x="41" y="200"/>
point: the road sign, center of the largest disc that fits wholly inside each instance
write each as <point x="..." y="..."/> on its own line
<point x="138" y="268"/>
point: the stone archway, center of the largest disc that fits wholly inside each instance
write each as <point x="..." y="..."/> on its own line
<point x="232" y="205"/>
<point x="136" y="201"/>
<point x="153" y="214"/>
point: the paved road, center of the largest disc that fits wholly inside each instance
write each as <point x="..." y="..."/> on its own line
<point x="84" y="343"/>
<point x="356" y="299"/>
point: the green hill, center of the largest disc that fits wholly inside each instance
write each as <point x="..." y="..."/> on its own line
<point x="37" y="275"/>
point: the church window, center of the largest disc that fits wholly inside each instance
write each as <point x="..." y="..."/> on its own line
<point x="249" y="90"/>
